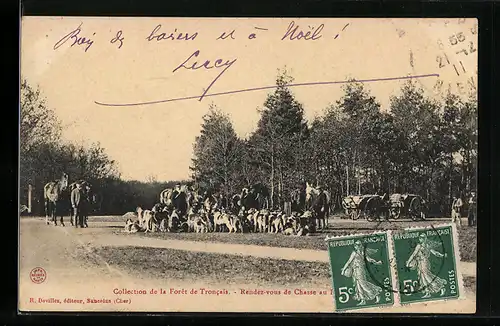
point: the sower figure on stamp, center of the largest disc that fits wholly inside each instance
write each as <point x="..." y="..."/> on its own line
<point x="420" y="260"/>
<point x="471" y="216"/>
<point x="355" y="268"/>
<point x="456" y="210"/>
<point x="76" y="203"/>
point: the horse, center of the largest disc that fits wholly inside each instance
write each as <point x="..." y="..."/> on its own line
<point x="53" y="193"/>
<point x="166" y="197"/>
<point x="256" y="196"/>
<point x="318" y="201"/>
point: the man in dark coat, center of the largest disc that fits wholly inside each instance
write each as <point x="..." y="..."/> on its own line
<point x="320" y="207"/>
<point x="76" y="203"/>
<point x="472" y="209"/>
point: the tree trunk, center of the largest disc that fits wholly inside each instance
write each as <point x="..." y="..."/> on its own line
<point x="272" y="177"/>
<point x="347" y="180"/>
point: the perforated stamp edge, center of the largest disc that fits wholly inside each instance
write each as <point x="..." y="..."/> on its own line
<point x="392" y="264"/>
<point x="456" y="253"/>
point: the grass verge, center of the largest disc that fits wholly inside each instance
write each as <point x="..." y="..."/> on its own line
<point x="467" y="239"/>
<point x="219" y="268"/>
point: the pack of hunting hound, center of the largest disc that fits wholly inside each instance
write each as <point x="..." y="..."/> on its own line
<point x="184" y="209"/>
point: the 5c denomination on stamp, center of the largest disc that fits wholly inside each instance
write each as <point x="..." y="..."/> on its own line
<point x="361" y="272"/>
<point x="426" y="264"/>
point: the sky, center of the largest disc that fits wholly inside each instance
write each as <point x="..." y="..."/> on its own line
<point x="156" y="140"/>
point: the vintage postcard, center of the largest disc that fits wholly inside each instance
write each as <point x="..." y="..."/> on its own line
<point x="282" y="165"/>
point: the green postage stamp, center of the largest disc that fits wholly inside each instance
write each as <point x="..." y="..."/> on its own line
<point x="393" y="268"/>
<point x="426" y="263"/>
<point x="361" y="272"/>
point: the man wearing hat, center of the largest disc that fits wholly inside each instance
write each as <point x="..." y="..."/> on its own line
<point x="471" y="216"/>
<point x="320" y="207"/>
<point x="76" y="204"/>
<point x="456" y="210"/>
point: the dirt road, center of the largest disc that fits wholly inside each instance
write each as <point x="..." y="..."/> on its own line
<point x="54" y="249"/>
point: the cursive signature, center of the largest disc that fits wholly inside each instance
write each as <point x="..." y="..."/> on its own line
<point x="77" y="39"/>
<point x="206" y="65"/>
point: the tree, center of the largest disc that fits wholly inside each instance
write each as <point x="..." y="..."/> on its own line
<point x="217" y="153"/>
<point x="427" y="164"/>
<point x="277" y="146"/>
<point x="43" y="155"/>
<point x="363" y="121"/>
<point x="38" y="123"/>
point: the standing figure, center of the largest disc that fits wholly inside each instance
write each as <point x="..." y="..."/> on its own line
<point x="76" y="203"/>
<point x="85" y="203"/>
<point x="355" y="268"/>
<point x="420" y="260"/>
<point x="54" y="193"/>
<point x="456" y="210"/>
<point x="471" y="216"/>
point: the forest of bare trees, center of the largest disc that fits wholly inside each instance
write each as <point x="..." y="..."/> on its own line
<point x="416" y="145"/>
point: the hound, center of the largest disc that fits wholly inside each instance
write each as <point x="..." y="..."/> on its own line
<point x="140" y="218"/>
<point x="131" y="226"/>
<point x="262" y="221"/>
<point x="222" y="221"/>
<point x="164" y="225"/>
<point x="173" y="221"/>
<point x="255" y="218"/>
<point x="234" y="224"/>
<point x="199" y="225"/>
<point x="208" y="222"/>
<point x="303" y="231"/>
<point x="148" y="219"/>
<point x="276" y="224"/>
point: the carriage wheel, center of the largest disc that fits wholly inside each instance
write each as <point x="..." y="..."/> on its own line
<point x="371" y="213"/>
<point x="371" y="217"/>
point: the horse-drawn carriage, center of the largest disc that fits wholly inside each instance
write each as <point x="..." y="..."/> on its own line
<point x="355" y="206"/>
<point x="407" y="205"/>
<point x="374" y="207"/>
